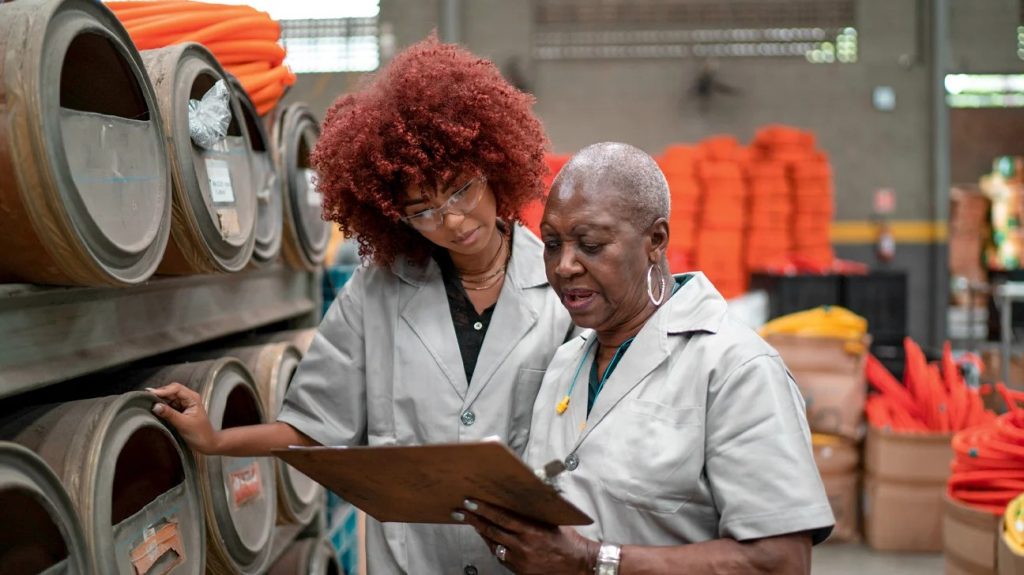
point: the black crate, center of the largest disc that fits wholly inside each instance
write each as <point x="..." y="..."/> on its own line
<point x="789" y="294"/>
<point x="893" y="357"/>
<point x="881" y="298"/>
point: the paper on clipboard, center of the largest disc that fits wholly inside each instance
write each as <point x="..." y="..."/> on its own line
<point x="424" y="484"/>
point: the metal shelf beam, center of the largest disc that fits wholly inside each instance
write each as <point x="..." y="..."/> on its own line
<point x="48" y="334"/>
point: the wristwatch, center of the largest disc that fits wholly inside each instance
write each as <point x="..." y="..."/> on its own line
<point x="608" y="559"/>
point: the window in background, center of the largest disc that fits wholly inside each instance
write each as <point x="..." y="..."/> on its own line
<point x="331" y="44"/>
<point x="1020" y="30"/>
<point x="985" y="90"/>
<point x="1020" y="37"/>
<point x="336" y="36"/>
<point x="818" y="31"/>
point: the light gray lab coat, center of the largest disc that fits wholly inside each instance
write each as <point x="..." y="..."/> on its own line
<point x="699" y="433"/>
<point x="385" y="369"/>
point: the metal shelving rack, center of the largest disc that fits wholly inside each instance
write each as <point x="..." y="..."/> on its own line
<point x="50" y="335"/>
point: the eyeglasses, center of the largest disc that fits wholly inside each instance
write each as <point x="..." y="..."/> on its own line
<point x="461" y="202"/>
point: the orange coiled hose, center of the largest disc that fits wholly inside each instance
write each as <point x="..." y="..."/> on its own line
<point x="243" y="39"/>
<point x="988" y="463"/>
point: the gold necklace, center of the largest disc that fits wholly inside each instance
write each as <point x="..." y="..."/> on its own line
<point x="482" y="279"/>
<point x="489" y="280"/>
<point x="494" y="258"/>
<point x="499" y="275"/>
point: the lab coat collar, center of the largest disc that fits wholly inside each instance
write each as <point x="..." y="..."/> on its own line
<point x="526" y="270"/>
<point x="697" y="306"/>
<point x="648" y="350"/>
<point x="437" y="336"/>
<point x="513" y="317"/>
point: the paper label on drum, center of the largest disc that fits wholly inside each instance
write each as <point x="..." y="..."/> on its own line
<point x="161" y="549"/>
<point x="312" y="195"/>
<point x="227" y="219"/>
<point x="245" y="484"/>
<point x="220" y="181"/>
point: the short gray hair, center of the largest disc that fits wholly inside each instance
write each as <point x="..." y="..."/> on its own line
<point x="631" y="171"/>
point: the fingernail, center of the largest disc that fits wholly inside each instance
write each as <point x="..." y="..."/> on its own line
<point x="470" y="505"/>
<point x="158" y="408"/>
<point x="460" y="517"/>
<point x="150" y="389"/>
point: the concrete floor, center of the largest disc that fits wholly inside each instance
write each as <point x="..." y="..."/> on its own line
<point x="851" y="559"/>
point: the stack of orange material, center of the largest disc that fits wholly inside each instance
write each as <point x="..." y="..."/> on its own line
<point x="533" y="212"/>
<point x="812" y="195"/>
<point x="723" y="214"/>
<point x="784" y="144"/>
<point x="810" y="188"/>
<point x="677" y="163"/>
<point x="243" y="39"/>
<point x="769" y="239"/>
<point x="933" y="398"/>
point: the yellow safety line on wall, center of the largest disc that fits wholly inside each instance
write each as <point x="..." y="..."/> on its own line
<point x="903" y="231"/>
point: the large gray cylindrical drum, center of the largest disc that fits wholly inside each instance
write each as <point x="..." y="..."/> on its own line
<point x="214" y="215"/>
<point x="269" y="186"/>
<point x="306" y="234"/>
<point x="312" y="556"/>
<point x="272" y="365"/>
<point x="40" y="532"/>
<point x="238" y="492"/>
<point x="85" y="188"/>
<point x="130" y="479"/>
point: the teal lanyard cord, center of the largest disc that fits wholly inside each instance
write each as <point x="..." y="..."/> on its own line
<point x="607" y="371"/>
<point x="564" y="404"/>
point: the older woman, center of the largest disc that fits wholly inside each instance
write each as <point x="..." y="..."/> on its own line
<point x="444" y="336"/>
<point x="682" y="432"/>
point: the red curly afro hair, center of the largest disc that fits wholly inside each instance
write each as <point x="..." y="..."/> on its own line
<point x="436" y="111"/>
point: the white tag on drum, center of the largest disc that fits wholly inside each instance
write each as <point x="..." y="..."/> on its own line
<point x="219" y="175"/>
<point x="312" y="195"/>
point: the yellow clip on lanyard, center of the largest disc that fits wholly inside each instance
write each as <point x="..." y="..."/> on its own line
<point x="564" y="404"/>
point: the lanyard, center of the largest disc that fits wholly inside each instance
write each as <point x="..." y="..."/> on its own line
<point x="564" y="404"/>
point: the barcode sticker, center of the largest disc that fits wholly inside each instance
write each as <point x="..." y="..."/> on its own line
<point x="312" y="195"/>
<point x="219" y="175"/>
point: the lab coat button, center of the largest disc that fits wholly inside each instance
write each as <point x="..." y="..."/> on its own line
<point x="468" y="418"/>
<point x="478" y="325"/>
<point x="572" y="462"/>
<point x="470" y="570"/>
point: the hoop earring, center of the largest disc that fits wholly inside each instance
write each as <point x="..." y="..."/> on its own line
<point x="650" y="291"/>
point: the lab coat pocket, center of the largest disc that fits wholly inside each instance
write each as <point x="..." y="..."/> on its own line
<point x="653" y="454"/>
<point x="520" y="416"/>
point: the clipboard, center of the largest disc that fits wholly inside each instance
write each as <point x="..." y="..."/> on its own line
<point x="425" y="483"/>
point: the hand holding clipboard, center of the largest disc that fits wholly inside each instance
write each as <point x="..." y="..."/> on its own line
<point x="422" y="484"/>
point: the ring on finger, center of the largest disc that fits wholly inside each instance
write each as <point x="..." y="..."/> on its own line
<point x="500" y="552"/>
